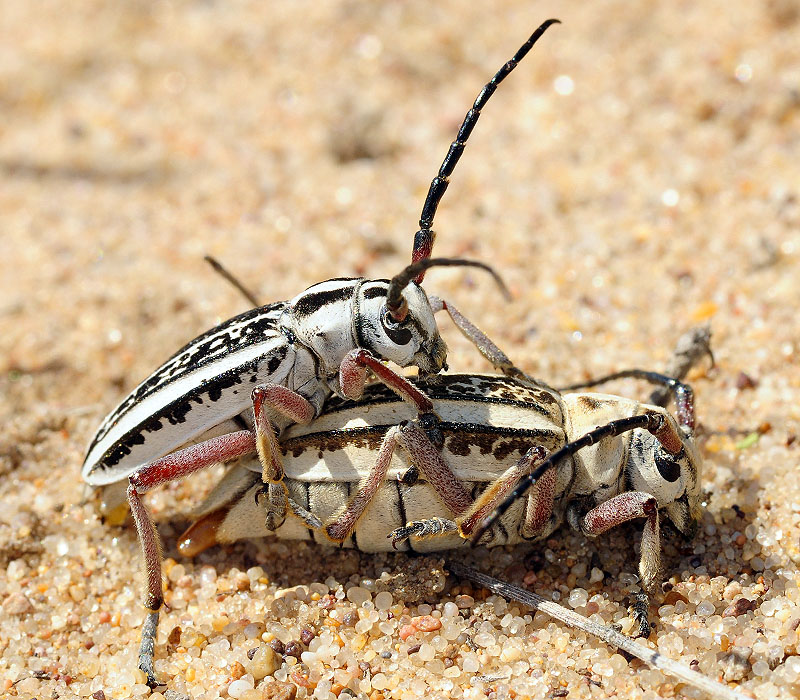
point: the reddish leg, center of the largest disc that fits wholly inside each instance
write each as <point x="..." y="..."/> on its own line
<point x="344" y="522"/>
<point x="187" y="461"/>
<point x="500" y="488"/>
<point x="653" y="422"/>
<point x="620" y="509"/>
<point x="174" y="466"/>
<point x="424" y="456"/>
<point x="353" y="378"/>
<point x="538" y="511"/>
<point x="429" y="461"/>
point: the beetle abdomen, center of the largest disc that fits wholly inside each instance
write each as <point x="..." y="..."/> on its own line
<point x="393" y="505"/>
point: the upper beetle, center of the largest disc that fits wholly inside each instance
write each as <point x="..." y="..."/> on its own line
<point x="285" y="359"/>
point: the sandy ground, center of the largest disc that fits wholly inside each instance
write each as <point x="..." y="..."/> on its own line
<point x="636" y="175"/>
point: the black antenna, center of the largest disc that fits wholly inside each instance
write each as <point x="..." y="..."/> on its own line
<point x="423" y="239"/>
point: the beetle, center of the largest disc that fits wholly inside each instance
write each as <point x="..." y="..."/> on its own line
<point x="282" y="361"/>
<point x="300" y="344"/>
<point x="592" y="460"/>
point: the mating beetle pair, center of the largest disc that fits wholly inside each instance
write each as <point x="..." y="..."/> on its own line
<point x="462" y="470"/>
<point x="254" y="384"/>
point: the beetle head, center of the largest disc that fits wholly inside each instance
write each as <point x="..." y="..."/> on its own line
<point x="414" y="340"/>
<point x="402" y="328"/>
<point x="673" y="479"/>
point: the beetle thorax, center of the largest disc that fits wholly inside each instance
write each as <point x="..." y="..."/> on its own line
<point x="321" y="318"/>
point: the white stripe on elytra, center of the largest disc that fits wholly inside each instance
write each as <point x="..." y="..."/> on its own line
<point x="170" y="437"/>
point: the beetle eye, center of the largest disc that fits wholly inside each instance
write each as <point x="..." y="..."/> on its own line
<point x="668" y="465"/>
<point x="397" y="334"/>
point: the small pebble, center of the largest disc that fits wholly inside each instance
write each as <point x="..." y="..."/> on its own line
<point x="739" y="607"/>
<point x="294" y="649"/>
<point x="407" y="631"/>
<point x="578" y="597"/>
<point x="237" y="670"/>
<point x="450" y="609"/>
<point x="383" y="601"/>
<point x="277" y="690"/>
<point x="596" y="575"/>
<point x="17" y="604"/>
<point x="426" y="623"/>
<point x="263" y="663"/>
<point x="238" y="688"/>
<point x="705" y="608"/>
<point x="277" y="646"/>
<point x="464" y="602"/>
<point x="358" y="595"/>
<point x="350" y="618"/>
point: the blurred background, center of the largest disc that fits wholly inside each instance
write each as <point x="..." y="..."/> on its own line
<point x="636" y="175"/>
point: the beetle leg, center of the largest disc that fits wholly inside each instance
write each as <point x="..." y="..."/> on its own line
<point x="353" y="378"/>
<point x="427" y="459"/>
<point x="620" y="509"/>
<point x="311" y="521"/>
<point x="539" y="507"/>
<point x="424" y="455"/>
<point x="653" y="422"/>
<point x="499" y="360"/>
<point x="422" y="529"/>
<point x="344" y="521"/>
<point x="287" y="403"/>
<point x="174" y="466"/>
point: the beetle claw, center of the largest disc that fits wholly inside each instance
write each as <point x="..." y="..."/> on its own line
<point x="261" y="492"/>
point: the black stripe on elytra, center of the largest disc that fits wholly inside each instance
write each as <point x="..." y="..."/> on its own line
<point x="173" y="413"/>
<point x="380" y="394"/>
<point x="235" y="334"/>
<point x="311" y="302"/>
<point x="459" y="439"/>
<point x="355" y="324"/>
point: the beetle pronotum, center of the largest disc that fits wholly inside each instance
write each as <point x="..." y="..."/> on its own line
<point x="282" y="361"/>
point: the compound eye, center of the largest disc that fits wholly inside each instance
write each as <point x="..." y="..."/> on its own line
<point x="396" y="332"/>
<point x="668" y="465"/>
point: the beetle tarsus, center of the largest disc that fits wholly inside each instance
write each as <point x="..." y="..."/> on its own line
<point x="147" y="648"/>
<point x="640" y="606"/>
<point x="422" y="529"/>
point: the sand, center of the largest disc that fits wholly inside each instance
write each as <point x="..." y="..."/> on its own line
<point x="638" y="174"/>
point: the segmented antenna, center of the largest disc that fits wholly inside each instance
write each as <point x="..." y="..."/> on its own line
<point x="424" y="238"/>
<point x="396" y="303"/>
<point x="221" y="270"/>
